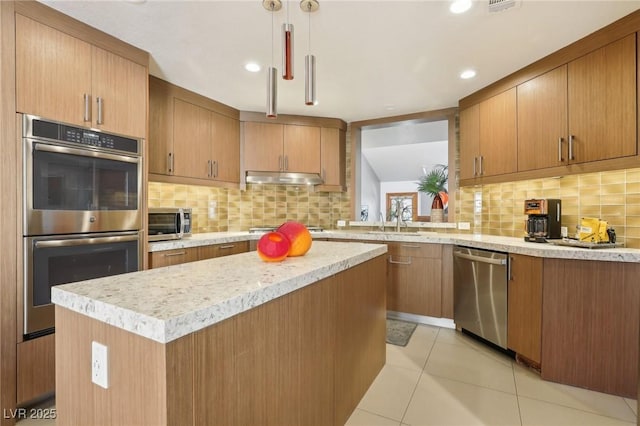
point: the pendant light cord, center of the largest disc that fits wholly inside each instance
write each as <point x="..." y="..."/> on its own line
<point x="272" y="7"/>
<point x="309" y="26"/>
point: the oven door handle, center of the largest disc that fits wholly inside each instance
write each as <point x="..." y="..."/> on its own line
<point x="84" y="153"/>
<point x="86" y="241"/>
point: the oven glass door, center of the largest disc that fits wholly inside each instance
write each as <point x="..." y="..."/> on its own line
<point x="71" y="190"/>
<point x="60" y="260"/>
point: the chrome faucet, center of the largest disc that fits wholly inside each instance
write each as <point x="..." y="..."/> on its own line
<point x="399" y="211"/>
<point x="381" y="221"/>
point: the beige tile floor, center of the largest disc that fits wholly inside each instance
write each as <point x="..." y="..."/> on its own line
<point x="443" y="377"/>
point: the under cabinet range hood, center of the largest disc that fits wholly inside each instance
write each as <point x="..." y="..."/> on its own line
<point x="284" y="178"/>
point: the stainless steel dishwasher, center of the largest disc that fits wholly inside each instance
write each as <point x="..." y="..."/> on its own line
<point x="480" y="293"/>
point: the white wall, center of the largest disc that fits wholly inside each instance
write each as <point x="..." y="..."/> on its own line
<point x="369" y="190"/>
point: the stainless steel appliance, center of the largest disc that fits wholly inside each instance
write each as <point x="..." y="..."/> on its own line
<point x="170" y="223"/>
<point x="543" y="221"/>
<point x="79" y="180"/>
<point x="480" y="293"/>
<point x="61" y="259"/>
<point x="262" y="229"/>
<point x="81" y="211"/>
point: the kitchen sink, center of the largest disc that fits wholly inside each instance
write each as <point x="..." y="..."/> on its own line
<point x="411" y="234"/>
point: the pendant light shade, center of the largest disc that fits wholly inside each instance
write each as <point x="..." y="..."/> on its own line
<point x="287" y="51"/>
<point x="272" y="92"/>
<point x="310" y="80"/>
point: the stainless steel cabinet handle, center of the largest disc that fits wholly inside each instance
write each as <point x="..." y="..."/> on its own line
<point x="215" y="171"/>
<point x="87" y="107"/>
<point x="560" y="149"/>
<point x="475" y="172"/>
<point x="170" y="163"/>
<point x="179" y="253"/>
<point x="481" y="165"/>
<point x="100" y="102"/>
<point x="571" y="147"/>
<point x="230" y="246"/>
<point x="286" y="162"/>
<point x="509" y="268"/>
<point x="280" y="167"/>
<point x="209" y="168"/>
<point x="397" y="262"/>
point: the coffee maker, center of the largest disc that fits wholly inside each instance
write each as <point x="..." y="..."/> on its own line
<point x="543" y="221"/>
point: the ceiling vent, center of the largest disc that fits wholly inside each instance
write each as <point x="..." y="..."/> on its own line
<point x="502" y="5"/>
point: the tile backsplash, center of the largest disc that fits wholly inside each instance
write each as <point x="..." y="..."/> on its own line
<point x="259" y="205"/>
<point x="613" y="196"/>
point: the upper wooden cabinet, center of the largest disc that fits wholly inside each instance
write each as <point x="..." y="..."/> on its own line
<point x="63" y="78"/>
<point x="542" y="121"/>
<point x="333" y="146"/>
<point x="602" y="103"/>
<point x="281" y="147"/>
<point x="488" y="137"/>
<point x="189" y="139"/>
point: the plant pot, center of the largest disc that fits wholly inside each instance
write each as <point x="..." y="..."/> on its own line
<point x="437" y="209"/>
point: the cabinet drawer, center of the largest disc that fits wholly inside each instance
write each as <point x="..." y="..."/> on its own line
<point x="415" y="250"/>
<point x="172" y="257"/>
<point x="224" y="249"/>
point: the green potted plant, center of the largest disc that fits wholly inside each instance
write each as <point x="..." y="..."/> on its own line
<point x="433" y="183"/>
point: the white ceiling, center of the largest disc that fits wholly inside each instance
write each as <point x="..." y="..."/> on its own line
<point x="374" y="58"/>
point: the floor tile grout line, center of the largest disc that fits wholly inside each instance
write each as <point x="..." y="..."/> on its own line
<point x="379" y="415"/>
<point x="515" y="386"/>
<point x="575" y="409"/>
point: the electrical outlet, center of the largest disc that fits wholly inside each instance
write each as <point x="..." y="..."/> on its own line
<point x="342" y="223"/>
<point x="99" y="365"/>
<point x="464" y="225"/>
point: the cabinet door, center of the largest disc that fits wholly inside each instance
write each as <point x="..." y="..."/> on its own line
<point x="158" y="259"/>
<point x="498" y="144"/>
<point x="332" y="156"/>
<point x="122" y="87"/>
<point x="524" y="329"/>
<point x="53" y="72"/>
<point x="226" y="148"/>
<point x="469" y="142"/>
<point x="414" y="286"/>
<point x="219" y="250"/>
<point x="542" y="121"/>
<point x="160" y="127"/>
<point x="302" y="149"/>
<point x="263" y="146"/>
<point x="191" y="140"/>
<point x="602" y="102"/>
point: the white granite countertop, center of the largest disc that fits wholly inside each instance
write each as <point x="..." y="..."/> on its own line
<point x="490" y="242"/>
<point x="167" y="303"/>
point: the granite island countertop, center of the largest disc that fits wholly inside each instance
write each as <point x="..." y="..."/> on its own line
<point x="490" y="242"/>
<point x="167" y="303"/>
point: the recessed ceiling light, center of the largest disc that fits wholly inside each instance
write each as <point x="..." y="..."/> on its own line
<point x="460" y="6"/>
<point x="467" y="74"/>
<point x="252" y="67"/>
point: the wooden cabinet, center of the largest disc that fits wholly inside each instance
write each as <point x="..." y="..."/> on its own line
<point x="590" y="325"/>
<point x="414" y="278"/>
<point x="158" y="259"/>
<point x="281" y="147"/>
<point x="488" y="137"/>
<point x="542" y="121"/>
<point x="524" y="319"/>
<point x="333" y="159"/>
<point x="192" y="137"/>
<point x="224" y="249"/>
<point x="63" y="78"/>
<point x="35" y="368"/>
<point x="602" y="96"/>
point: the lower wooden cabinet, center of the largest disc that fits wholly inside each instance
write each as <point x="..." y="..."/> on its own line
<point x="158" y="259"/>
<point x="590" y="325"/>
<point x="414" y="282"/>
<point x="524" y="319"/>
<point x="36" y="371"/>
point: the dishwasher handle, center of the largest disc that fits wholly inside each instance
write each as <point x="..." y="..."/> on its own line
<point x="480" y="258"/>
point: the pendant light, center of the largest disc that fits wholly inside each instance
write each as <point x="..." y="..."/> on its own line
<point x="309" y="6"/>
<point x="287" y="48"/>
<point x="272" y="72"/>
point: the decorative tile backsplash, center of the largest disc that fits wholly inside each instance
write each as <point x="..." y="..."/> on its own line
<point x="612" y="196"/>
<point x="259" y="205"/>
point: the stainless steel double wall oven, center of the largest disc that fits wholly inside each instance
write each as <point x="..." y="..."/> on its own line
<point x="81" y="209"/>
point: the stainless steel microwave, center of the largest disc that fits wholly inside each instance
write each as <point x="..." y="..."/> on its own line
<point x="171" y="223"/>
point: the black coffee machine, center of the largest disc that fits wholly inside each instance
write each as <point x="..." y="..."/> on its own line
<point x="543" y="221"/>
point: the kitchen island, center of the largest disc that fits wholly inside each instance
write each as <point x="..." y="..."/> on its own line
<point x="231" y="340"/>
